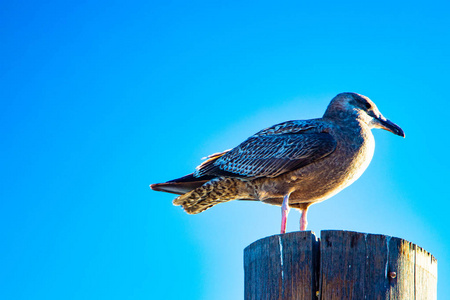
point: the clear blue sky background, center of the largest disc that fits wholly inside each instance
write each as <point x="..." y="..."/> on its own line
<point x="101" y="98"/>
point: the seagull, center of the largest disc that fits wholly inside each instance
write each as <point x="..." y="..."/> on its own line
<point x="291" y="164"/>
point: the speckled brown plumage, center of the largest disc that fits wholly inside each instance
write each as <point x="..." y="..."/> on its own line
<point x="218" y="190"/>
<point x="302" y="162"/>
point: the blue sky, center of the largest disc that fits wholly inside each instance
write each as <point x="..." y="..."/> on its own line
<point x="100" y="99"/>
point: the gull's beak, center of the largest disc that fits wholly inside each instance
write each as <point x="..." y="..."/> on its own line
<point x="383" y="123"/>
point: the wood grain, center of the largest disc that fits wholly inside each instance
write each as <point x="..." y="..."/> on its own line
<point x="343" y="265"/>
<point x="282" y="267"/>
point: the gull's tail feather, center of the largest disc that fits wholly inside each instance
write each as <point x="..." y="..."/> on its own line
<point x="181" y="185"/>
<point x="211" y="193"/>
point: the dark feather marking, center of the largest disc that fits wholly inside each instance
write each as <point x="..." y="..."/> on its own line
<point x="181" y="185"/>
<point x="272" y="155"/>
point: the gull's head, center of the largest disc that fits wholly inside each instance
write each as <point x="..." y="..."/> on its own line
<point x="356" y="106"/>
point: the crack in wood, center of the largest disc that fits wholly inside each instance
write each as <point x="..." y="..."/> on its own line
<point x="339" y="265"/>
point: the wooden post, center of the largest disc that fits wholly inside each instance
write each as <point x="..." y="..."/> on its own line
<point x="342" y="265"/>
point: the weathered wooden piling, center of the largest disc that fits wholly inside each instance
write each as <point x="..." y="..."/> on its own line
<point x="339" y="265"/>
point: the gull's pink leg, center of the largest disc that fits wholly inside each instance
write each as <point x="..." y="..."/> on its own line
<point x="303" y="221"/>
<point x="284" y="213"/>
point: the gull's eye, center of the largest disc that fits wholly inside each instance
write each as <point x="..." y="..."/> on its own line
<point x="368" y="105"/>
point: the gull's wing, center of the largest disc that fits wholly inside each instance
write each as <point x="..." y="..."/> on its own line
<point x="273" y="151"/>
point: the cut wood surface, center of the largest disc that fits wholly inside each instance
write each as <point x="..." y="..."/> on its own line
<point x="342" y="265"/>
